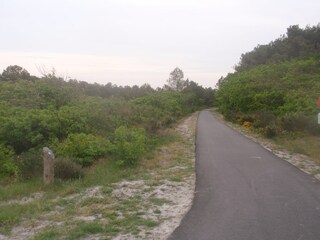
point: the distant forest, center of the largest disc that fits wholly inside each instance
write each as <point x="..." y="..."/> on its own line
<point x="84" y="122"/>
<point x="275" y="87"/>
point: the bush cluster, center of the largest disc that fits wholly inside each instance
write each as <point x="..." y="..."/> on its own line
<point x="276" y="84"/>
<point x="275" y="98"/>
<point x="129" y="145"/>
<point x="84" y="148"/>
<point x="83" y="122"/>
<point x="271" y="125"/>
<point x="7" y="166"/>
<point x="66" y="168"/>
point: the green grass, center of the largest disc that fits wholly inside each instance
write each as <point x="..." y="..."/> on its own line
<point x="176" y="179"/>
<point x="132" y="223"/>
<point x="106" y="190"/>
<point x="75" y="230"/>
<point x="104" y="173"/>
<point x="157" y="211"/>
<point x="159" y="201"/>
<point x="51" y="234"/>
<point x="78" y="230"/>
<point x="95" y="200"/>
<point x="303" y="144"/>
<point x="21" y="189"/>
<point x="15" y="213"/>
<point x="83" y="229"/>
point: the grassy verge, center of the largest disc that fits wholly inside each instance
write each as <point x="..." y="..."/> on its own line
<point x="108" y="201"/>
<point x="301" y="144"/>
<point x="56" y="196"/>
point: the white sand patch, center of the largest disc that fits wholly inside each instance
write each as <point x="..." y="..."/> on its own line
<point x="127" y="189"/>
<point x="27" y="230"/>
<point x="180" y="197"/>
<point x="25" y="200"/>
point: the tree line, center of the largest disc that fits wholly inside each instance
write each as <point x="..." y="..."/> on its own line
<point x="296" y="43"/>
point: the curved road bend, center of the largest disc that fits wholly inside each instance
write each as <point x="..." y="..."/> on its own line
<point x="244" y="192"/>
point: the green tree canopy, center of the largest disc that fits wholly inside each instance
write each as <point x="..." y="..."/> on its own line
<point x="14" y="72"/>
<point x="296" y="43"/>
<point x="176" y="81"/>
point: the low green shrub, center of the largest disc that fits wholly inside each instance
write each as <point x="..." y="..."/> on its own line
<point x="7" y="166"/>
<point x="264" y="119"/>
<point x="66" y="168"/>
<point x="84" y="148"/>
<point x="30" y="164"/>
<point x="270" y="131"/>
<point x="300" y="122"/>
<point x="129" y="145"/>
<point x="230" y="115"/>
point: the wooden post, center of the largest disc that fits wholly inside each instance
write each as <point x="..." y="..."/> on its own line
<point x="48" y="166"/>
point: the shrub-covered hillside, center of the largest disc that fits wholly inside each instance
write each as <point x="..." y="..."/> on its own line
<point x="276" y="95"/>
<point x="296" y="43"/>
<point x="83" y="122"/>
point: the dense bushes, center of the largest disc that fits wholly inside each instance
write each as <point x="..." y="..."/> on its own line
<point x="7" y="166"/>
<point x="277" y="85"/>
<point x="83" y="122"/>
<point x="296" y="43"/>
<point x="279" y="97"/>
<point x="300" y="122"/>
<point x="280" y="88"/>
<point x="66" y="168"/>
<point x="158" y="110"/>
<point x="129" y="145"/>
<point x="84" y="148"/>
<point x="30" y="164"/>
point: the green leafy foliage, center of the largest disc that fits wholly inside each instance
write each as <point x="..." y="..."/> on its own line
<point x="176" y="81"/>
<point x="297" y="43"/>
<point x="30" y="164"/>
<point x="25" y="129"/>
<point x="278" y="88"/>
<point x="129" y="145"/>
<point x="158" y="110"/>
<point x="13" y="73"/>
<point x="280" y="96"/>
<point x="82" y="122"/>
<point x="84" y="148"/>
<point x="7" y="165"/>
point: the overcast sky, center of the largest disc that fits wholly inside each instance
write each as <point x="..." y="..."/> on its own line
<point x="130" y="42"/>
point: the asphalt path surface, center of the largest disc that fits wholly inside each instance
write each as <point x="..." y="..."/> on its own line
<point x="244" y="192"/>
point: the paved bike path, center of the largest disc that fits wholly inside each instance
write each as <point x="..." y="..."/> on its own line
<point x="244" y="192"/>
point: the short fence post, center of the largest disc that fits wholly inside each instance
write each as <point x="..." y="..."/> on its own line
<point x="48" y="166"/>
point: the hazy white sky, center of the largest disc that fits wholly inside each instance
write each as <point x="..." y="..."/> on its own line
<point x="129" y="42"/>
